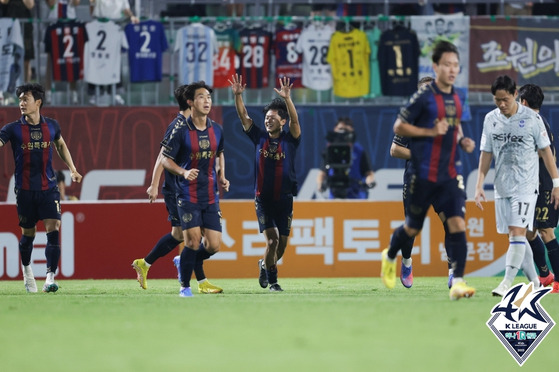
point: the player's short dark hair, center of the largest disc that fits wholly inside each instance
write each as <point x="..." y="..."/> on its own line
<point x="424" y="80"/>
<point x="442" y="47"/>
<point x="191" y="89"/>
<point x="503" y="82"/>
<point x="180" y="97"/>
<point x="533" y="95"/>
<point x="60" y="177"/>
<point x="346" y="120"/>
<point x="278" y="105"/>
<point x="37" y="91"/>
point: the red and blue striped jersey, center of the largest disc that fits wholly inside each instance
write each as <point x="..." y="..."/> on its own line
<point x="434" y="158"/>
<point x="32" y="150"/>
<point x="65" y="42"/>
<point x="168" y="187"/>
<point x="191" y="148"/>
<point x="274" y="163"/>
<point x="255" y="58"/>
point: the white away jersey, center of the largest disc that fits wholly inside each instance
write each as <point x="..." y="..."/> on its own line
<point x="196" y="44"/>
<point x="102" y="55"/>
<point x="313" y="44"/>
<point x="11" y="58"/>
<point x="514" y="142"/>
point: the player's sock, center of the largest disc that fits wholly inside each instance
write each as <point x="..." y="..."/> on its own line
<point x="272" y="275"/>
<point x="529" y="268"/>
<point x="201" y="255"/>
<point x="553" y="255"/>
<point x="188" y="259"/>
<point x="447" y="245"/>
<point x="52" y="251"/>
<point x="165" y="245"/>
<point x="515" y="256"/>
<point x="25" y="249"/>
<point x="406" y="262"/>
<point x="399" y="239"/>
<point x="538" y="250"/>
<point x="459" y="248"/>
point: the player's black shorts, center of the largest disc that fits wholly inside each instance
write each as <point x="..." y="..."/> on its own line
<point x="33" y="206"/>
<point x="545" y="215"/>
<point x="193" y="215"/>
<point x="172" y="209"/>
<point x="448" y="198"/>
<point x="272" y="213"/>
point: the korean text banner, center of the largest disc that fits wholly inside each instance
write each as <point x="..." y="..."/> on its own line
<point x="526" y="49"/>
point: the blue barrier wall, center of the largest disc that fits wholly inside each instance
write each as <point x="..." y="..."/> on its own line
<point x="373" y="126"/>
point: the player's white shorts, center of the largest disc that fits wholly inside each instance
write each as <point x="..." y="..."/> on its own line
<point x="515" y="211"/>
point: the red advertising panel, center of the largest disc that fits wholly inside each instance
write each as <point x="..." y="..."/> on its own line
<point x="328" y="239"/>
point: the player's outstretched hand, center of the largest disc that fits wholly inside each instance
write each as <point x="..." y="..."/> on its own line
<point x="285" y="87"/>
<point x="237" y="85"/>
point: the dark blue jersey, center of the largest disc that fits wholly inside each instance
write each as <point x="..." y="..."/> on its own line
<point x="546" y="182"/>
<point x="169" y="180"/>
<point x="434" y="158"/>
<point x="191" y="148"/>
<point x="32" y="150"/>
<point x="274" y="163"/>
<point x="146" y="44"/>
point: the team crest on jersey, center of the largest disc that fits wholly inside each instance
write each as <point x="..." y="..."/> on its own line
<point x="36" y="135"/>
<point x="187" y="217"/>
<point x="450" y="110"/>
<point x="520" y="322"/>
<point x="273" y="148"/>
<point x="204" y="144"/>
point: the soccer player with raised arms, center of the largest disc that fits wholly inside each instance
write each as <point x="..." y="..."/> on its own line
<point x="275" y="181"/>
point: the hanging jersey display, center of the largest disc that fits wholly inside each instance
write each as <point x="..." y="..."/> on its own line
<point x="398" y="56"/>
<point x="313" y="44"/>
<point x="11" y="58"/>
<point x="65" y="43"/>
<point x="102" y="55"/>
<point x="288" y="61"/>
<point x="146" y="44"/>
<point x="348" y="56"/>
<point x="255" y="58"/>
<point x="373" y="35"/>
<point x="229" y="46"/>
<point x="196" y="44"/>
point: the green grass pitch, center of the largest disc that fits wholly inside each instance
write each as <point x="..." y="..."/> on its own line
<point x="317" y="324"/>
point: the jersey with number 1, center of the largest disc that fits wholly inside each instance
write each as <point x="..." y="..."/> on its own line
<point x="65" y="43"/>
<point x="313" y="44"/>
<point x="102" y="55"/>
<point x="349" y="57"/>
<point x="147" y="42"/>
<point x="196" y="44"/>
<point x="255" y="59"/>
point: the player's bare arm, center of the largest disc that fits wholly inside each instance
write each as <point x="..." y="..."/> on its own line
<point x="153" y="188"/>
<point x="171" y="166"/>
<point x="485" y="159"/>
<point x="237" y="87"/>
<point x="64" y="154"/>
<point x="404" y="129"/>
<point x="549" y="161"/>
<point x="400" y="152"/>
<point x="285" y="93"/>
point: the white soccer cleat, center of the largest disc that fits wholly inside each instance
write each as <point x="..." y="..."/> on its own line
<point x="29" y="279"/>
<point x="501" y="289"/>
